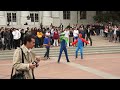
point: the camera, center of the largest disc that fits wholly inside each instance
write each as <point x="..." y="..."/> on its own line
<point x="36" y="63"/>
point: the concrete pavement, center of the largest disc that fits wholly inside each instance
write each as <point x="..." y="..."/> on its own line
<point x="100" y="66"/>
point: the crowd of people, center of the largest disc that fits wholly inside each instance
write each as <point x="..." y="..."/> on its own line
<point x="11" y="38"/>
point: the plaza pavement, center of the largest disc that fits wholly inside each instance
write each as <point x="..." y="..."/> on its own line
<point x="100" y="66"/>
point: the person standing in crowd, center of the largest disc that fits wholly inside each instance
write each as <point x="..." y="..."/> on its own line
<point x="106" y="32"/>
<point x="16" y="37"/>
<point x="82" y="31"/>
<point x="11" y="39"/>
<point x="63" y="43"/>
<point x="0" y="40"/>
<point x="46" y="43"/>
<point x="101" y="29"/>
<point x="52" y="33"/>
<point x="55" y="38"/>
<point x="39" y="36"/>
<point x="71" y="36"/>
<point x="67" y="33"/>
<point x="88" y="32"/>
<point x="7" y="38"/>
<point x="80" y="41"/>
<point x="22" y="36"/>
<point x="119" y="33"/>
<point x="115" y="33"/>
<point x="29" y="57"/>
<point x="110" y="33"/>
<point x="75" y="34"/>
<point x="2" y="37"/>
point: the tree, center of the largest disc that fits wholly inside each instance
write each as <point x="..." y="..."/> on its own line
<point x="108" y="16"/>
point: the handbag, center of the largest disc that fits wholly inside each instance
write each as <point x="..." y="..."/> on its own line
<point x="18" y="75"/>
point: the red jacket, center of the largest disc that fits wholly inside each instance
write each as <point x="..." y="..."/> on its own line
<point x="56" y="35"/>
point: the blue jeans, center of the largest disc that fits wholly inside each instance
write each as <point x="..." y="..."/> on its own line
<point x="61" y="50"/>
<point x="81" y="52"/>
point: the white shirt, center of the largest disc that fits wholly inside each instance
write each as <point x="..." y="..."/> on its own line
<point x="75" y="33"/>
<point x="16" y="34"/>
<point x="67" y="33"/>
<point x="115" y="29"/>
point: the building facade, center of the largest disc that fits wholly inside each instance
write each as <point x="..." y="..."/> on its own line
<point x="35" y="18"/>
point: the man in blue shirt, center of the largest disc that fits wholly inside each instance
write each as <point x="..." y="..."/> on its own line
<point x="47" y="44"/>
<point x="63" y="43"/>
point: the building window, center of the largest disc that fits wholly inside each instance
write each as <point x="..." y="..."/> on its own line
<point x="34" y="17"/>
<point x="66" y="14"/>
<point x="83" y="14"/>
<point x="11" y="17"/>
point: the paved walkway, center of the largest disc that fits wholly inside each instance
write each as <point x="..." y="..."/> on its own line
<point x="102" y="66"/>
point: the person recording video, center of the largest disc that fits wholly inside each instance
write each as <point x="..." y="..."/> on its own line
<point x="31" y="61"/>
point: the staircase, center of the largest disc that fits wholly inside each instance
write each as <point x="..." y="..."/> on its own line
<point x="54" y="51"/>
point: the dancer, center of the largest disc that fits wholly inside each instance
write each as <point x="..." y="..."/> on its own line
<point x="63" y="43"/>
<point x="80" y="41"/>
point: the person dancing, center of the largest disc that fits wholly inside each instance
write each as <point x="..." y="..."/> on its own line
<point x="63" y="43"/>
<point x="80" y="41"/>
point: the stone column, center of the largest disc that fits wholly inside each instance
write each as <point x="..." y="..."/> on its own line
<point x="56" y="18"/>
<point x="3" y="19"/>
<point x="47" y="19"/>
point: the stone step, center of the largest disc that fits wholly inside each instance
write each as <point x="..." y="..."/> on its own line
<point x="54" y="48"/>
<point x="69" y="49"/>
<point x="56" y="54"/>
<point x="69" y="52"/>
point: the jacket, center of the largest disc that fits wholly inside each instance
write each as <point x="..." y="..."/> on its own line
<point x="28" y="58"/>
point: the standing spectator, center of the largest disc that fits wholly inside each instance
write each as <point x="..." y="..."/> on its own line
<point x="110" y="33"/>
<point x="11" y="39"/>
<point x="71" y="36"/>
<point x="0" y="40"/>
<point x="119" y="32"/>
<point x="82" y="31"/>
<point x="52" y="33"/>
<point x="101" y="30"/>
<point x="106" y="32"/>
<point x="46" y="43"/>
<point x="16" y="37"/>
<point x="7" y="38"/>
<point x="22" y="36"/>
<point x="55" y="37"/>
<point x="67" y="33"/>
<point x="75" y="34"/>
<point x="115" y="33"/>
<point x="88" y="35"/>
<point x="39" y="36"/>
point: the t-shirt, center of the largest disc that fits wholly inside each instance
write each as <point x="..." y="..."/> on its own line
<point x="46" y="41"/>
<point x="75" y="33"/>
<point x="67" y="34"/>
<point x="39" y="34"/>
